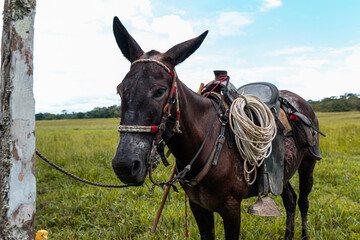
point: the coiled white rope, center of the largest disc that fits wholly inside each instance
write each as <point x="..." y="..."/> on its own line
<point x="252" y="141"/>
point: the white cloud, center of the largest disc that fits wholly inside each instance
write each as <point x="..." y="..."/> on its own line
<point x="76" y="55"/>
<point x="305" y="62"/>
<point x="268" y="4"/>
<point x="160" y="33"/>
<point x="288" y="51"/>
<point x="315" y="84"/>
<point x="332" y="73"/>
<point x="78" y="16"/>
<point x="174" y="28"/>
<point x="344" y="50"/>
<point x="172" y="25"/>
<point x="353" y="61"/>
<point x="313" y="73"/>
<point x="227" y="23"/>
<point x="77" y="64"/>
<point x="231" y="23"/>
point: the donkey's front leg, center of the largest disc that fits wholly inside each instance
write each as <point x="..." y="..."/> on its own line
<point x="204" y="220"/>
<point x="232" y="219"/>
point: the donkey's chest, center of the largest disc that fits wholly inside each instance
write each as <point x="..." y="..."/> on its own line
<point x="214" y="191"/>
<point x="204" y="197"/>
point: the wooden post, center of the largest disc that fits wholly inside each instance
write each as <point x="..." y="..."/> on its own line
<point x="17" y="122"/>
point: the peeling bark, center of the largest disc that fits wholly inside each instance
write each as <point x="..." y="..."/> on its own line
<point x="17" y="122"/>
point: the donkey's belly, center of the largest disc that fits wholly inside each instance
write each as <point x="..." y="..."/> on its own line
<point x="291" y="162"/>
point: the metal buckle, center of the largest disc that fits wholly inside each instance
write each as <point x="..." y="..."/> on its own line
<point x="153" y="158"/>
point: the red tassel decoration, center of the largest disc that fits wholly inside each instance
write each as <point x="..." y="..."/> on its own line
<point x="294" y="117"/>
<point x="186" y="223"/>
<point x="154" y="129"/>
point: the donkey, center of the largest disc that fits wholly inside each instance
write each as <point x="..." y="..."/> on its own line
<point x="145" y="91"/>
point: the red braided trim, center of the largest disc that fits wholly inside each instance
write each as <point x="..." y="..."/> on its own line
<point x="131" y="128"/>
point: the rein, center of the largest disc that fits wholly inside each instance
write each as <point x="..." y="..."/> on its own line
<point x="75" y="177"/>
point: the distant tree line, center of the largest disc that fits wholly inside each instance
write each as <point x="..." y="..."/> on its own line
<point x="98" y="112"/>
<point x="344" y="103"/>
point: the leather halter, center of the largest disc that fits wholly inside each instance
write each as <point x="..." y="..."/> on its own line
<point x="162" y="133"/>
<point x="173" y="97"/>
<point x="161" y="128"/>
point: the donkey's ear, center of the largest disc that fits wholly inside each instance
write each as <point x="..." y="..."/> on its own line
<point x="127" y="44"/>
<point x="181" y="51"/>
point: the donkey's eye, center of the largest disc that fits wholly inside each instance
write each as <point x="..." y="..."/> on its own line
<point x="159" y="93"/>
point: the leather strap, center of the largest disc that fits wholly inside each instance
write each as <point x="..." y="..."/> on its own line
<point x="212" y="159"/>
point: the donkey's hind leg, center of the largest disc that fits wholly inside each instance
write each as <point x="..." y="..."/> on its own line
<point x="289" y="198"/>
<point x="306" y="182"/>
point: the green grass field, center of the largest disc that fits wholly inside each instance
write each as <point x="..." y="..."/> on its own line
<point x="71" y="210"/>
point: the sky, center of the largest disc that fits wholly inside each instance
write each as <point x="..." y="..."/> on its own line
<point x="309" y="47"/>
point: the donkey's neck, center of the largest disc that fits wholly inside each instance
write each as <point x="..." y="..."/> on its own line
<point x="196" y="115"/>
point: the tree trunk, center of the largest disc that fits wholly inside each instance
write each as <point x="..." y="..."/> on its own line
<point x="17" y="122"/>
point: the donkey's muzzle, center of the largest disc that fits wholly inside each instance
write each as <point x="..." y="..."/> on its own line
<point x="129" y="170"/>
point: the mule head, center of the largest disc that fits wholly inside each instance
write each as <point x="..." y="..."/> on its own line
<point x="144" y="92"/>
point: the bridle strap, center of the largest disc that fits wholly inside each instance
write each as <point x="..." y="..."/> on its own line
<point x="173" y="97"/>
<point x="154" y="61"/>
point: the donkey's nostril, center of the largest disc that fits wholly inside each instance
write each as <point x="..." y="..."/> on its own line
<point x="136" y="167"/>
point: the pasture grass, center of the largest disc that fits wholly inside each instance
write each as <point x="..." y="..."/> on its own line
<point x="73" y="210"/>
